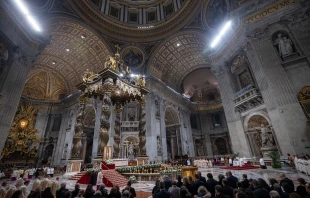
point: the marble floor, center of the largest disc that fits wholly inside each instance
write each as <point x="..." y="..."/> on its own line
<point x="253" y="173"/>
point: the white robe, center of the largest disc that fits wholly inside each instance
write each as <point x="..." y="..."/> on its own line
<point x="99" y="178"/>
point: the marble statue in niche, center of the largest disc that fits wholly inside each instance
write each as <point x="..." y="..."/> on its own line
<point x="284" y="45"/>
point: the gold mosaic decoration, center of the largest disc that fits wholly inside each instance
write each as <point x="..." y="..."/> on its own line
<point x="22" y="136"/>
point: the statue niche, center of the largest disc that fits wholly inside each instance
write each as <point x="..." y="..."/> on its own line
<point x="284" y="44"/>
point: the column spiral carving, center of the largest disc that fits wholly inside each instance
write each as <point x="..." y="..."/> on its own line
<point x="142" y="129"/>
<point x="104" y="125"/>
<point x="78" y="132"/>
<point x="118" y="109"/>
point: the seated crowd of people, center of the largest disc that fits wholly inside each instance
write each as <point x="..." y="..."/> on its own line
<point x="230" y="187"/>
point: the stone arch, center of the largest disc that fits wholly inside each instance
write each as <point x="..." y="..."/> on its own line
<point x="249" y="116"/>
<point x="177" y="56"/>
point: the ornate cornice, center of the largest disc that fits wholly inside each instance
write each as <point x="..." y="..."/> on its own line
<point x="133" y="34"/>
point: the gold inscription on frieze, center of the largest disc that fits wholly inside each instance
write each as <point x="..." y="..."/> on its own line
<point x="269" y="10"/>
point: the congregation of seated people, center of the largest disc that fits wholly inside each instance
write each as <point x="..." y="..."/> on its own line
<point x="229" y="186"/>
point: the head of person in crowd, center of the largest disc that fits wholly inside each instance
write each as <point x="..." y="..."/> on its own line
<point x="162" y="185"/>
<point x="185" y="181"/>
<point x="286" y="187"/>
<point x="77" y="187"/>
<point x="218" y="190"/>
<point x="262" y="183"/>
<point x="244" y="176"/>
<point x="228" y="174"/>
<point x="272" y="181"/>
<point x="197" y="176"/>
<point x="225" y="182"/>
<point x="274" y="194"/>
<point x="301" y="181"/>
<point x="174" y="183"/>
<point x="63" y="185"/>
<point x="67" y="195"/>
<point x="57" y="179"/>
<point x="282" y="176"/>
<point x="255" y="183"/>
<point x="240" y="194"/>
<point x="210" y="176"/>
<point x="239" y="185"/>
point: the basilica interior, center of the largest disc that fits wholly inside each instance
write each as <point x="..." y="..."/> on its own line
<point x="156" y="80"/>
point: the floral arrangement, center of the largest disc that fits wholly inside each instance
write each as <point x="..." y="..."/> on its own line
<point x="109" y="162"/>
<point x="133" y="179"/>
<point x="128" y="169"/>
<point x="90" y="170"/>
<point x="179" y="170"/>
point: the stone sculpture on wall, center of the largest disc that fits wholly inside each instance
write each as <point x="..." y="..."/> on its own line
<point x="284" y="45"/>
<point x="159" y="147"/>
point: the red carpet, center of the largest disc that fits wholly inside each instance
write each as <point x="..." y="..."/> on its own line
<point x="239" y="168"/>
<point x="112" y="178"/>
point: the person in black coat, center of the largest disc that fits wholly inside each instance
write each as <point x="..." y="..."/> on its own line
<point x="245" y="183"/>
<point x="130" y="189"/>
<point x="179" y="182"/>
<point x="232" y="180"/>
<point x="197" y="184"/>
<point x="284" y="179"/>
<point x="93" y="178"/>
<point x="301" y="189"/>
<point x="97" y="195"/>
<point x="156" y="188"/>
<point x="227" y="190"/>
<point x="202" y="179"/>
<point x="47" y="193"/>
<point x="163" y="193"/>
<point x="219" y="192"/>
<point x="167" y="183"/>
<point x="210" y="184"/>
<point x="76" y="190"/>
<point x="259" y="191"/>
<point x="60" y="193"/>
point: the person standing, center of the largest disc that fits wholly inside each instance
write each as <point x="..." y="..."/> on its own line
<point x="245" y="181"/>
<point x="131" y="190"/>
<point x="163" y="193"/>
<point x="210" y="184"/>
<point x="290" y="183"/>
<point x="174" y="190"/>
<point x="232" y="180"/>
<point x="262" y="163"/>
<point x="167" y="182"/>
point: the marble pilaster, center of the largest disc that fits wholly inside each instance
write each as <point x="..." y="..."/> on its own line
<point x="96" y="129"/>
<point x="234" y="122"/>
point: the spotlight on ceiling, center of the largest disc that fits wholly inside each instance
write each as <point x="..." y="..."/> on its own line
<point x="221" y="34"/>
<point x="83" y="36"/>
<point x="53" y="62"/>
<point x="67" y="49"/>
<point x="178" y="44"/>
<point x="25" y="11"/>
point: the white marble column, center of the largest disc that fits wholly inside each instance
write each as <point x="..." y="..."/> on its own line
<point x="163" y="129"/>
<point x="151" y="133"/>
